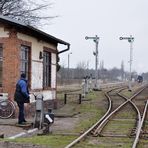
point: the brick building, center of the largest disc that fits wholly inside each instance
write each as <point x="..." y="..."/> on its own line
<point x="29" y="50"/>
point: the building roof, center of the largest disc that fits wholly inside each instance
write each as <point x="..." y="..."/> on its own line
<point x="34" y="31"/>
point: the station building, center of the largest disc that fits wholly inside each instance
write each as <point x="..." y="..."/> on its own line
<point x="25" y="49"/>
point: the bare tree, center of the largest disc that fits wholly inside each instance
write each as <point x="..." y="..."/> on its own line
<point x="81" y="69"/>
<point x="28" y="11"/>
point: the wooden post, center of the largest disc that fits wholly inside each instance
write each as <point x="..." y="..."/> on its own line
<point x="65" y="98"/>
<point x="80" y="98"/>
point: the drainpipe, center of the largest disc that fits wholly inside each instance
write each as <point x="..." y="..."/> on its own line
<point x="68" y="47"/>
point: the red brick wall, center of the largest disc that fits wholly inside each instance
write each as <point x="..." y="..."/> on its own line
<point x="11" y="60"/>
<point x="10" y="63"/>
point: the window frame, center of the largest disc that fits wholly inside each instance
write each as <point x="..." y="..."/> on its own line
<point x="25" y="59"/>
<point x="47" y="68"/>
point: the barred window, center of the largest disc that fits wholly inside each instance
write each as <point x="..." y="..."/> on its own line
<point x="25" y="60"/>
<point x="1" y="65"/>
<point x="46" y="69"/>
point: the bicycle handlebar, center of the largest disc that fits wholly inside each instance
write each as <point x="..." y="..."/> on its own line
<point x="36" y="95"/>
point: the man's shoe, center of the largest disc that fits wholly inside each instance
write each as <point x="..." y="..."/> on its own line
<point x="21" y="123"/>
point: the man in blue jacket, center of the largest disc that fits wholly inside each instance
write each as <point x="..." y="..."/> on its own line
<point x="21" y="96"/>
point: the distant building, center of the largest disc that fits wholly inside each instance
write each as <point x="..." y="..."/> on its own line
<point x="29" y="50"/>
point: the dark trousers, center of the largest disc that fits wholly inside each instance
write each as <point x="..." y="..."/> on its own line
<point x="21" y="117"/>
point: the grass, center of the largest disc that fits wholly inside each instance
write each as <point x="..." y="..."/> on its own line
<point x="90" y="111"/>
<point x="51" y="140"/>
<point x="128" y="93"/>
<point x="143" y="143"/>
<point x="120" y="127"/>
<point x="104" y="142"/>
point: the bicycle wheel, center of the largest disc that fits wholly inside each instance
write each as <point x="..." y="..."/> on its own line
<point x="7" y="109"/>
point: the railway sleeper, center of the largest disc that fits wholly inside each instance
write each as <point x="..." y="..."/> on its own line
<point x="133" y="132"/>
<point x="145" y="132"/>
<point x="143" y="136"/>
<point x="98" y="135"/>
<point x="112" y="135"/>
<point x="92" y="132"/>
<point x="141" y="115"/>
<point x="95" y="133"/>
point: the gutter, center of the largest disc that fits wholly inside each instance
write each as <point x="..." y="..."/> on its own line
<point x="68" y="47"/>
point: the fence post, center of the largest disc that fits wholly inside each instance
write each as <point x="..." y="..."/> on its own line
<point x="65" y="98"/>
<point x="80" y="98"/>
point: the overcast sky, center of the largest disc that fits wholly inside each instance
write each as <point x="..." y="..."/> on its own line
<point x="109" y="19"/>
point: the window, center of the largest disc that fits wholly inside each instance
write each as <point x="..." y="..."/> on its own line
<point x="46" y="69"/>
<point x="1" y="64"/>
<point x="25" y="60"/>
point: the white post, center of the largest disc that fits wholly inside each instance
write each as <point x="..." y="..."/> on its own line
<point x="96" y="67"/>
<point x="131" y="59"/>
<point x="96" y="40"/>
<point x="68" y="66"/>
<point x="130" y="40"/>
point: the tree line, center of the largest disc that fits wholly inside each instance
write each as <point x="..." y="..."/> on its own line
<point x="104" y="74"/>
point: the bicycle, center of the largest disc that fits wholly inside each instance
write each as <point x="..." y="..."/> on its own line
<point x="7" y="108"/>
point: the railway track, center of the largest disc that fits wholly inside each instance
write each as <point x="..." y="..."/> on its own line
<point x="141" y="130"/>
<point x="117" y="105"/>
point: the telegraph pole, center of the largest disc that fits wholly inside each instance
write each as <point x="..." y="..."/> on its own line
<point x="96" y="40"/>
<point x="130" y="40"/>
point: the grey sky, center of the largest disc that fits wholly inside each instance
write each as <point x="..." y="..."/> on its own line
<point x="109" y="19"/>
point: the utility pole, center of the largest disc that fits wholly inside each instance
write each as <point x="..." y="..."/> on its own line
<point x="96" y="40"/>
<point x="130" y="40"/>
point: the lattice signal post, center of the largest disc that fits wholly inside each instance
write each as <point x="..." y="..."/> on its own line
<point x="130" y="40"/>
<point x="96" y="40"/>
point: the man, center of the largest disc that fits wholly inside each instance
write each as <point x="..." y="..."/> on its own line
<point x="21" y="96"/>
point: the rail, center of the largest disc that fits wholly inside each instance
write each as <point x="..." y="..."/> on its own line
<point x="98" y="122"/>
<point x="90" y="129"/>
<point x="140" y="126"/>
<point x="104" y="119"/>
<point x="99" y="128"/>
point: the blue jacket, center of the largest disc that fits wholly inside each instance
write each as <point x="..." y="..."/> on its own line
<point x="22" y="92"/>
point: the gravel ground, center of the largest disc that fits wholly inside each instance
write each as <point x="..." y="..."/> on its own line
<point x="8" y="128"/>
<point x="18" y="145"/>
<point x="9" y="131"/>
<point x="61" y="125"/>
